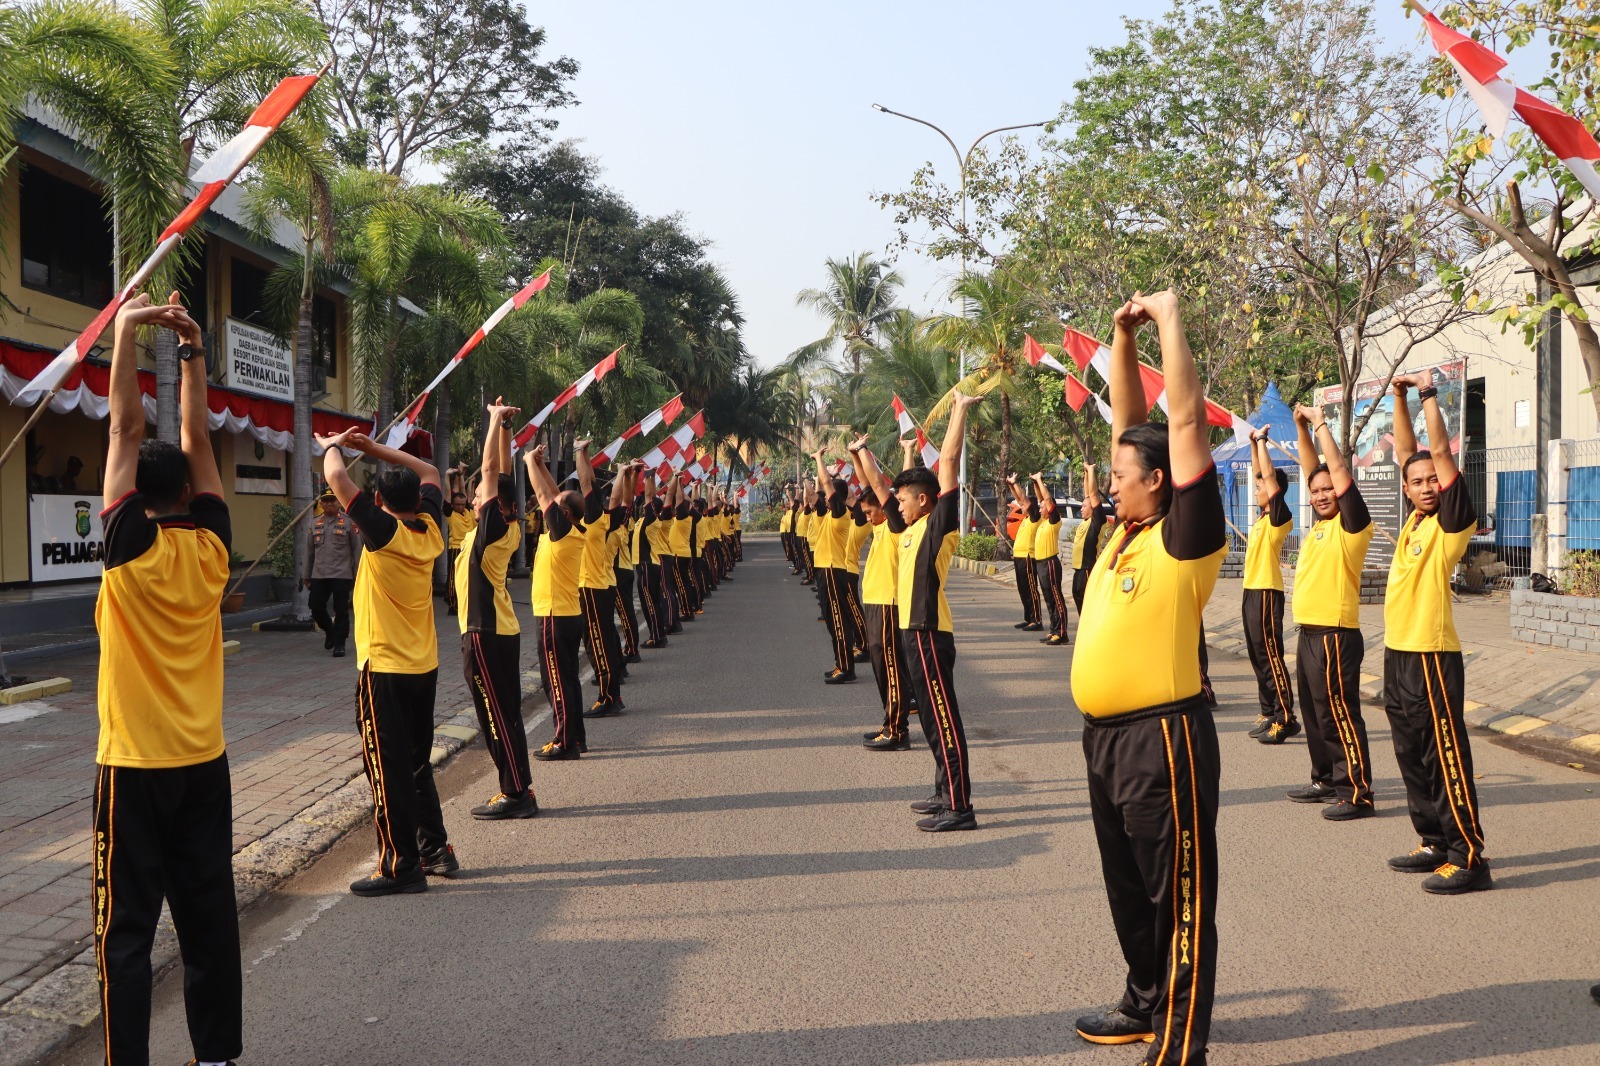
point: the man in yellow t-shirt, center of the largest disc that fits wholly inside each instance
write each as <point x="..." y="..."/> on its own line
<point x="397" y="652"/>
<point x="1091" y="536"/>
<point x="491" y="635"/>
<point x="1047" y="562"/>
<point x="163" y="823"/>
<point x="623" y="568"/>
<point x="557" y="608"/>
<point x="1263" y="597"/>
<point x="831" y="544"/>
<point x="602" y="513"/>
<point x="459" y="522"/>
<point x="879" y="581"/>
<point x="1327" y="608"/>
<point x="1022" y="558"/>
<point x="1423" y="676"/>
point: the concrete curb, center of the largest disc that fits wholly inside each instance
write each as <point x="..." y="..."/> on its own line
<point x="1584" y="746"/>
<point x="62" y="1002"/>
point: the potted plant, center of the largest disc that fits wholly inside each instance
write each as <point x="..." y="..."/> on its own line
<point x="233" y="602"/>
<point x="280" y="560"/>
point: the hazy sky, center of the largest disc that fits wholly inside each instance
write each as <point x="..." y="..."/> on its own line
<point x="754" y="119"/>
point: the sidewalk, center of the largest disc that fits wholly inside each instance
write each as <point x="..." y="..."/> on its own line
<point x="289" y="719"/>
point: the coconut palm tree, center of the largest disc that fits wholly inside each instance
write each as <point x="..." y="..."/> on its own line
<point x="858" y="299"/>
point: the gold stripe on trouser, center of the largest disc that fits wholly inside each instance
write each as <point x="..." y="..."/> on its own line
<point x="857" y="612"/>
<point x="841" y="643"/>
<point x="891" y="667"/>
<point x="1448" y="744"/>
<point x="1360" y="783"/>
<point x="552" y="667"/>
<point x="1187" y="885"/>
<point x="106" y="786"/>
<point x="372" y="750"/>
<point x="597" y="643"/>
<point x="1280" y="673"/>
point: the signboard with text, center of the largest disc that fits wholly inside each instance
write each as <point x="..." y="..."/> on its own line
<point x="1372" y="452"/>
<point x="256" y="361"/>
<point x="65" y="538"/>
<point x="258" y="469"/>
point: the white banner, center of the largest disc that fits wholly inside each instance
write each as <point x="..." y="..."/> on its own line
<point x="65" y="538"/>
<point x="257" y="362"/>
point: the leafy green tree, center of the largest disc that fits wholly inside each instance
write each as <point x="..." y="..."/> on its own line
<point x="857" y="300"/>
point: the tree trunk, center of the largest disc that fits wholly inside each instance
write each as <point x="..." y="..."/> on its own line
<point x="1005" y="436"/>
<point x="300" y="464"/>
<point x="386" y="390"/>
<point x="168" y="414"/>
<point x="441" y="461"/>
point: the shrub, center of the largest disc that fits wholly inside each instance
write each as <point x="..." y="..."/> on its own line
<point x="1580" y="574"/>
<point x="280" y="561"/>
<point x="762" y="520"/>
<point x="978" y="546"/>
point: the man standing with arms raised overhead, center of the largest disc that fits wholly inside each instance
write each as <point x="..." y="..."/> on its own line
<point x="1327" y="608"/>
<point x="491" y="636"/>
<point x="1047" y="562"/>
<point x="1263" y="597"/>
<point x="923" y="513"/>
<point x="397" y="652"/>
<point x="602" y="512"/>
<point x="557" y="607"/>
<point x="879" y="581"/>
<point x="1423" y="672"/>
<point x="163" y="801"/>
<point x="1022" y="557"/>
<point x="830" y="544"/>
<point x="1088" y="537"/>
<point x="1149" y="739"/>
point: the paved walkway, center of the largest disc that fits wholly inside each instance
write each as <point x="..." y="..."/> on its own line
<point x="289" y="720"/>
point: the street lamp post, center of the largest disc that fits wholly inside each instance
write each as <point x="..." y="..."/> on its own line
<point x="961" y="163"/>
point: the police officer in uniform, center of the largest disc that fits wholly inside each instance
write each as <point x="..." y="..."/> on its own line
<point x="332" y="552"/>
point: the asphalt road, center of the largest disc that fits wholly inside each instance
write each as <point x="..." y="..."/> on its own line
<point x="730" y="877"/>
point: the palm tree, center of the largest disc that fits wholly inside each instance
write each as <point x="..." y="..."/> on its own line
<point x="754" y="411"/>
<point x="858" y="299"/>
<point x="1000" y="311"/>
<point x="909" y="363"/>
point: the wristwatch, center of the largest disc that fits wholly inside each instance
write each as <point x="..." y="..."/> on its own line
<point x="187" y="352"/>
<point x="1428" y="393"/>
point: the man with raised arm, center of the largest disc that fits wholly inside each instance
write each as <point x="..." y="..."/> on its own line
<point x="1089" y="537"/>
<point x="1423" y="682"/>
<point x="923" y="513"/>
<point x="1327" y="608"/>
<point x="397" y="652"/>
<point x="1149" y="739"/>
<point x="163" y="801"/>
<point x="1263" y="597"/>
<point x="557" y="607"/>
<point x="623" y="567"/>
<point x="491" y="636"/>
<point x="1022" y="557"/>
<point x="1047" y="561"/>
<point x="646" y="558"/>
<point x="601" y="514"/>
<point x="879" y="582"/>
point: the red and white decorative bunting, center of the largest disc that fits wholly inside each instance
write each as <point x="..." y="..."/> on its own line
<point x="1076" y="392"/>
<point x="1217" y="415"/>
<point x="402" y="429"/>
<point x="1568" y="139"/>
<point x="213" y="176"/>
<point x="1087" y="352"/>
<point x="665" y="414"/>
<point x="1034" y="352"/>
<point x="930" y="454"/>
<point x="572" y="392"/>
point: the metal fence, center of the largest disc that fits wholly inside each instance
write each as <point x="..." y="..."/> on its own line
<point x="1578" y="536"/>
<point x="1501" y="483"/>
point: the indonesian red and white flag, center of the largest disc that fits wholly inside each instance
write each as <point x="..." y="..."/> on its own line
<point x="1568" y="139"/>
<point x="1034" y="352"/>
<point x="1105" y="408"/>
<point x="1087" y="352"/>
<point x="214" y="175"/>
<point x="572" y="392"/>
<point x="930" y="454"/>
<point x="1076" y="392"/>
<point x="903" y="417"/>
<point x="1218" y="415"/>
<point x="666" y="413"/>
<point x="1155" y="387"/>
<point x="408" y="422"/>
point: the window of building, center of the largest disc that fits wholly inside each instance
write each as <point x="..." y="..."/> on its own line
<point x="248" y="301"/>
<point x="324" y="342"/>
<point x="66" y="239"/>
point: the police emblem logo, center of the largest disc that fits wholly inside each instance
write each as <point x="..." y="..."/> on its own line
<point x="1319" y="534"/>
<point x="1416" y="549"/>
<point x="1127" y="584"/>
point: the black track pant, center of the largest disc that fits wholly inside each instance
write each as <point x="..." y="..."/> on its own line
<point x="1329" y="669"/>
<point x="493" y="667"/>
<point x="1153" y="798"/>
<point x="858" y="616"/>
<point x="672" y="607"/>
<point x="806" y="566"/>
<point x="166" y="833"/>
<point x="1423" y="695"/>
<point x="738" y="546"/>
<point x="395" y="713"/>
<point x="689" y="599"/>
<point x="330" y="606"/>
<point x="559" y="637"/>
<point x="885" y="648"/>
<point x="1027" y="589"/>
<point x="630" y="622"/>
<point x="930" y="664"/>
<point x="788" y="546"/>
<point x="834" y="582"/>
<point x="1048" y="574"/>
<point x="451" y="555"/>
<point x="1263" y="637"/>
<point x="650" y="602"/>
<point x="601" y="641"/>
<point x="1080" y="585"/>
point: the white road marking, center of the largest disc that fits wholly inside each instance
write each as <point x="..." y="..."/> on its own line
<point x="23" y="711"/>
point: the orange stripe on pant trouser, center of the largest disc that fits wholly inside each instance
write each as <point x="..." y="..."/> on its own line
<point x="491" y="700"/>
<point x="372" y="754"/>
<point x="599" y="654"/>
<point x="1174" y="1038"/>
<point x="1349" y="738"/>
<point x="841" y="641"/>
<point x="105" y="791"/>
<point x="559" y="706"/>
<point x="895" y="706"/>
<point x="1459" y="791"/>
<point x="951" y="736"/>
<point x="1273" y="643"/>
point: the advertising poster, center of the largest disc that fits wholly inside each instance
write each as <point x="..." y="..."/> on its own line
<point x="65" y="538"/>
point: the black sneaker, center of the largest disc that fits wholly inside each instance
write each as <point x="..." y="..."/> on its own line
<point x="1422" y="859"/>
<point x="1055" y="640"/>
<point x="948" y="821"/>
<point x="504" y="806"/>
<point x="338" y="650"/>
<point x="1262" y="725"/>
<point x="379" y="885"/>
<point x="1277" y="732"/>
<point x="1032" y="627"/>
<point x="551" y="753"/>
<point x="1115" y="1027"/>
<point x="327" y="642"/>
<point x="857" y="655"/>
<point x="1594" y="993"/>
<point x="1345" y="811"/>
<point x="1316" y="792"/>
<point x="441" y="863"/>
<point x="1022" y="625"/>
<point x="604" y="709"/>
<point x="887" y="742"/>
<point x="634" y="658"/>
<point x="1453" y="880"/>
<point x="653" y="644"/>
<point x="931" y="805"/>
<point x="839" y="677"/>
